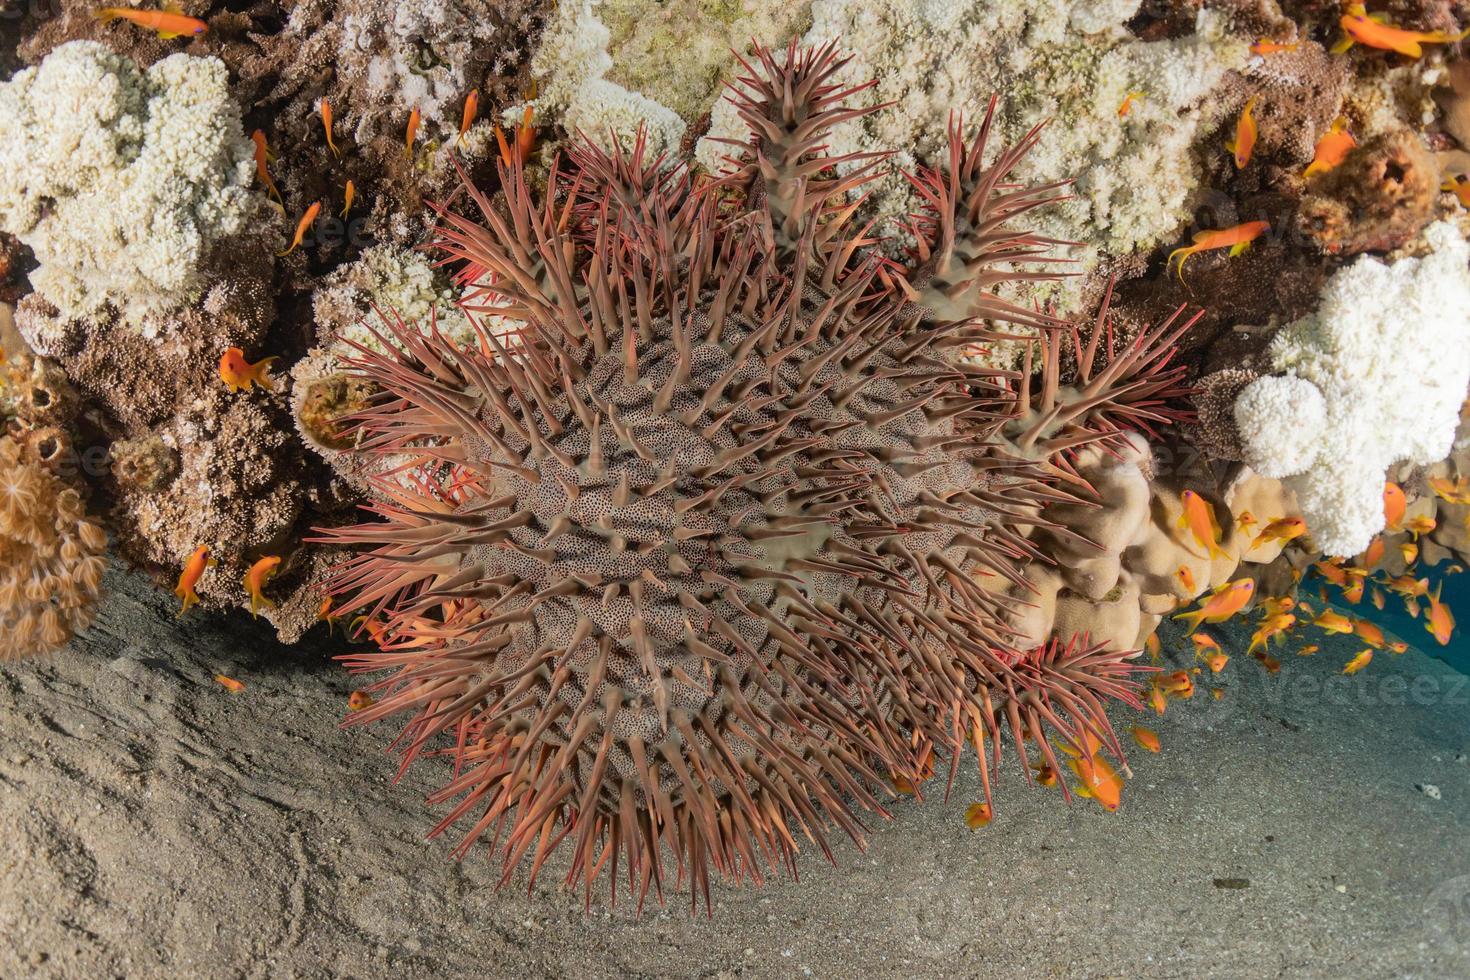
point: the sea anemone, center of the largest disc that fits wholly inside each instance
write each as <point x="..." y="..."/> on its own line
<point x="700" y="559"/>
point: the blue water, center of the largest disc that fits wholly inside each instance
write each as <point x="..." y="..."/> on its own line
<point x="1394" y="619"/>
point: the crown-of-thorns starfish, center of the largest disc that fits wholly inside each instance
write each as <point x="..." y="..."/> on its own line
<point x="693" y="568"/>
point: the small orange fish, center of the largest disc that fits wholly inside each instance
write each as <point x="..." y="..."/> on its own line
<point x="1275" y="627"/>
<point x="1199" y="517"/>
<point x="1156" y="700"/>
<point x="1410" y="552"/>
<point x="1458" y="185"/>
<point x="1308" y="650"/>
<point x="1217" y="693"/>
<point x="1225" y="602"/>
<point x="1331" y="149"/>
<point x="1378" y="597"/>
<point x="1422" y="524"/>
<point x="324" y="614"/>
<point x="326" y="111"/>
<point x="525" y="140"/>
<point x="1264" y="47"/>
<point x="1353" y="594"/>
<point x="1152" y="646"/>
<point x="1333" y="572"/>
<point x="1244" y="143"/>
<point x="358" y="700"/>
<point x="239" y="374"/>
<point x="1455" y="491"/>
<point x="1128" y="101"/>
<point x="1331" y="622"/>
<point x="349" y="194"/>
<point x="1358" y="663"/>
<point x="1179" y="684"/>
<point x="1245" y="520"/>
<point x="1045" y="774"/>
<point x="1394" y="505"/>
<point x="1272" y="665"/>
<point x="1398" y="646"/>
<point x="471" y="110"/>
<point x="1099" y="780"/>
<point x="301" y="226"/>
<point x="977" y="815"/>
<point x="167" y="24"/>
<point x="1373" y="31"/>
<point x="1369" y="633"/>
<point x="1203" y="642"/>
<point x="194" y="570"/>
<point x="1411" y="606"/>
<point x="1146" y="738"/>
<point x="1407" y="585"/>
<point x="262" y="158"/>
<point x="1187" y="578"/>
<point x="1237" y="238"/>
<point x="1374" y="554"/>
<point x="255" y="580"/>
<point x="411" y="132"/>
<point x="1216" y="662"/>
<point x="1440" y="623"/>
<point x="229" y="683"/>
<point x="1283" y="530"/>
<point x="1276" y="605"/>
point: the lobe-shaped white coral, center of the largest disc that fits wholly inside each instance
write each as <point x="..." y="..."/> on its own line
<point x="1388" y="354"/>
<point x="120" y="180"/>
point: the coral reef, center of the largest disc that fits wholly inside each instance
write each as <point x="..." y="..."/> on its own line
<point x="1375" y="376"/>
<point x="163" y="147"/>
<point x="719" y="549"/>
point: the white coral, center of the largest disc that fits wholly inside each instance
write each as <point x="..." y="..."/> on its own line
<point x="572" y="62"/>
<point x="121" y="180"/>
<point x="1388" y="351"/>
<point x="1281" y="420"/>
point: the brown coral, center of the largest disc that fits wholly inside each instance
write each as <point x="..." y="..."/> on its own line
<point x="50" y="557"/>
<point x="1379" y="198"/>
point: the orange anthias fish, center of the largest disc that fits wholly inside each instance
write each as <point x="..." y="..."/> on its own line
<point x="1353" y="594"/>
<point x="1410" y="552"/>
<point x="1179" y="684"/>
<point x="1458" y="185"/>
<point x="1422" y="524"/>
<point x="349" y="194"/>
<point x="1244" y="142"/>
<point x="1245" y="521"/>
<point x="525" y="140"/>
<point x="1331" y="622"/>
<point x="1225" y="602"/>
<point x="1455" y="491"/>
<point x="1128" y="101"/>
<point x="1331" y="149"/>
<point x="1308" y="650"/>
<point x="1237" y="238"/>
<point x="1100" y="781"/>
<point x="1156" y="700"/>
<point x="1283" y="530"/>
<point x="1146" y="738"/>
<point x="1369" y="633"/>
<point x="168" y="24"/>
<point x="1186" y="577"/>
<point x="301" y="226"/>
<point x="1199" y="517"/>
<point x="1378" y="598"/>
<point x="1045" y="774"/>
<point x="471" y="110"/>
<point x="1152" y="646"/>
<point x="358" y="700"/>
<point x="1276" y="626"/>
<point x="239" y="374"/>
<point x="1373" y="31"/>
<point x="194" y="570"/>
<point x="1276" y="605"/>
<point x="1407" y="585"/>
<point x="411" y="132"/>
<point x="1264" y="46"/>
<point x="1203" y="642"/>
<point x="1398" y="646"/>
<point x="1217" y="661"/>
<point x="1374" y="554"/>
<point x="326" y="110"/>
<point x="229" y="683"/>
<point x="1394" y="505"/>
<point x="263" y="156"/>
<point x="1358" y="663"/>
<point x="978" y="815"/>
<point x="260" y="573"/>
<point x="1440" y="622"/>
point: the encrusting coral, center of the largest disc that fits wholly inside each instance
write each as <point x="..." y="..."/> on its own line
<point x="163" y="147"/>
<point x="717" y="550"/>
<point x="1376" y="376"/>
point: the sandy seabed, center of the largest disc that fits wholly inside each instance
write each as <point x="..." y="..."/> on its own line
<point x="156" y="825"/>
